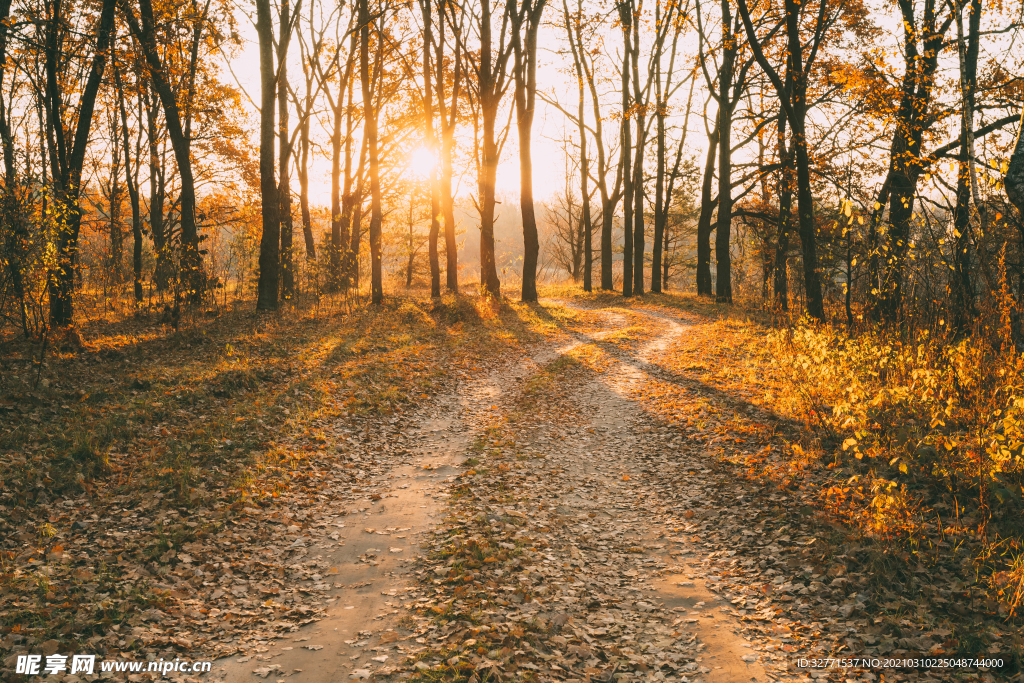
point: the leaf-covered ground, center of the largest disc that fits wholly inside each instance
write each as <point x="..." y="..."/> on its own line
<point x="640" y="497"/>
<point x="154" y="482"/>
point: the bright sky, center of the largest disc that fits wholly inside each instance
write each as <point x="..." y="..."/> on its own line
<point x="549" y="126"/>
<point x="549" y="161"/>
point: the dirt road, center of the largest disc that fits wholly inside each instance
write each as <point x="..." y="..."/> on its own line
<point x="524" y="532"/>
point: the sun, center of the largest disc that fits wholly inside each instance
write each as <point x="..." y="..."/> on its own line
<point x="422" y="162"/>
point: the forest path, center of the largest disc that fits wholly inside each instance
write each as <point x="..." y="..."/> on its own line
<point x="607" y="585"/>
<point x="372" y="542"/>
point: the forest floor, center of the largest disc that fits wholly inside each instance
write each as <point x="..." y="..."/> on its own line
<point x="584" y="490"/>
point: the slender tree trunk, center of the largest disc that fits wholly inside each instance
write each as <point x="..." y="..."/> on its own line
<point x="339" y="240"/>
<point x="341" y="212"/>
<point x="659" y="194"/>
<point x="451" y="247"/>
<point x="780" y="270"/>
<point x="912" y="120"/>
<point x="157" y="197"/>
<point x="131" y="181"/>
<point x="1014" y="180"/>
<point x="284" y="190"/>
<point x="370" y="133"/>
<point x="70" y="160"/>
<point x="638" y="168"/>
<point x="431" y="140"/>
<point x="115" y="236"/>
<point x="359" y="183"/>
<point x="13" y="213"/>
<point x="626" y="19"/>
<point x="963" y="289"/>
<point x="638" y="209"/>
<point x="588" y="250"/>
<point x="190" y="260"/>
<point x="303" y="172"/>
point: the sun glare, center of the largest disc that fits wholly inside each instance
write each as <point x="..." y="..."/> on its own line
<point x="421" y="162"/>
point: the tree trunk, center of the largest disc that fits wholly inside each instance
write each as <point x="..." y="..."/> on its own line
<point x="370" y="132"/>
<point x="707" y="207"/>
<point x="114" y="205"/>
<point x="303" y="171"/>
<point x="17" y="239"/>
<point x="588" y="250"/>
<point x="781" y="281"/>
<point x="1014" y="180"/>
<point x="659" y="194"/>
<point x="284" y="190"/>
<point x="190" y="261"/>
<point x="490" y="95"/>
<point x="131" y="183"/>
<point x="356" y="203"/>
<point x="723" y="232"/>
<point x="449" y="119"/>
<point x="270" y="243"/>
<point x="808" y="237"/>
<point x="157" y="196"/>
<point x="638" y="168"/>
<point x="451" y="247"/>
<point x="626" y="19"/>
<point x="911" y="122"/>
<point x="525" y="73"/>
<point x="69" y="162"/>
<point x="431" y="141"/>
<point x="963" y="290"/>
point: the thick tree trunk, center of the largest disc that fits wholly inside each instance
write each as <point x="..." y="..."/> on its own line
<point x="808" y="236"/>
<point x="723" y="232"/>
<point x="707" y="207"/>
<point x="268" y="288"/>
<point x="489" y="100"/>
